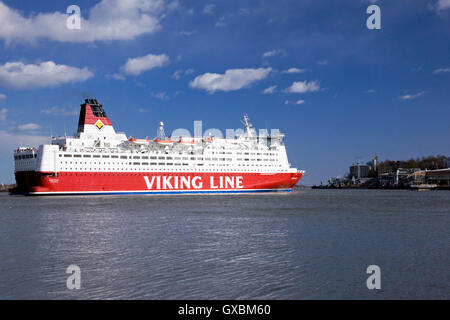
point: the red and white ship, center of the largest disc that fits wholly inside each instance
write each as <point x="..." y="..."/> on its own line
<point x="97" y="160"/>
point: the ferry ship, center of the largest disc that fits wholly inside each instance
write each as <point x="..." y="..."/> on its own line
<point x="98" y="160"/>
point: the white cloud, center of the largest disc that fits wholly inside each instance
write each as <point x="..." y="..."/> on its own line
<point x="269" y="90"/>
<point x="294" y="70"/>
<point x="136" y="66"/>
<point x="107" y="20"/>
<point x="441" y="70"/>
<point x="28" y="127"/>
<point x="442" y="5"/>
<point x="221" y="22"/>
<point x="46" y="74"/>
<point x="301" y="101"/>
<point x="369" y="91"/>
<point x="232" y="79"/>
<point x="161" y="95"/>
<point x="187" y="32"/>
<point x="116" y="76"/>
<point x="272" y="53"/>
<point x="10" y="141"/>
<point x="58" y="111"/>
<point x="3" y="113"/>
<point x="142" y="110"/>
<point x="322" y="62"/>
<point x="2" y="96"/>
<point x="412" y="96"/>
<point x="209" y="9"/>
<point x="178" y="73"/>
<point x="303" y="87"/>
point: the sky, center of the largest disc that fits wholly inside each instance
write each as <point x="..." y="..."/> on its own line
<point x="311" y="68"/>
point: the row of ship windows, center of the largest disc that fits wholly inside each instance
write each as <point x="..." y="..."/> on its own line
<point x="154" y="157"/>
<point x="127" y="163"/>
<point x="179" y="164"/>
<point x="25" y="156"/>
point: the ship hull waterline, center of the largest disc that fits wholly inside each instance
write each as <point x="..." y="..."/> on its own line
<point x="156" y="183"/>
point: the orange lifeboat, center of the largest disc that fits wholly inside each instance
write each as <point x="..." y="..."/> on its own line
<point x="188" y="143"/>
<point x="210" y="139"/>
<point x="145" y="141"/>
<point x="164" y="142"/>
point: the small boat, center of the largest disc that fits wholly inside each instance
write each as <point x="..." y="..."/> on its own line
<point x="163" y="142"/>
<point x="210" y="139"/>
<point x="188" y="143"/>
<point x="144" y="142"/>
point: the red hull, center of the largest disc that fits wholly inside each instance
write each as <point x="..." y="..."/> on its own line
<point x="152" y="182"/>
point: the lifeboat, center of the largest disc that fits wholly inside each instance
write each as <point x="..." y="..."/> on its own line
<point x="164" y="142"/>
<point x="188" y="143"/>
<point x="210" y="139"/>
<point x="145" y="141"/>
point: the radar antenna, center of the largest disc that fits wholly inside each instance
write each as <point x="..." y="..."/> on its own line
<point x="160" y="133"/>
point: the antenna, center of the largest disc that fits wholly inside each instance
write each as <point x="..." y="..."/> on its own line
<point x="160" y="132"/>
<point x="248" y="125"/>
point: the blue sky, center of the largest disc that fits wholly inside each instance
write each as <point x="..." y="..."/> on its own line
<point x="310" y="68"/>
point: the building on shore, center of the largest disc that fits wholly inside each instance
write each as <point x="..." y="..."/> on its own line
<point x="425" y="173"/>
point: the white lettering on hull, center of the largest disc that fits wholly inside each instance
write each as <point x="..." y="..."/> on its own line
<point x="183" y="182"/>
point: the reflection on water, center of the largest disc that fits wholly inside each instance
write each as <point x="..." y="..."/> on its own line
<point x="304" y="245"/>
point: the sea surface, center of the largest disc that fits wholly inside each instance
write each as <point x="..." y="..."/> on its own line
<point x="309" y="244"/>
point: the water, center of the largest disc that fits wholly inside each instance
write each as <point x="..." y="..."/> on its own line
<point x="312" y="244"/>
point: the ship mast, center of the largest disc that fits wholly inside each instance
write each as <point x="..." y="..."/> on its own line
<point x="160" y="133"/>
<point x="248" y="126"/>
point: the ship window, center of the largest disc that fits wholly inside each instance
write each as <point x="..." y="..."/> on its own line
<point x="144" y="157"/>
<point x="67" y="156"/>
<point x="105" y="156"/>
<point x="169" y="158"/>
<point x="114" y="157"/>
<point x="161" y="163"/>
<point x="86" y="156"/>
<point x="96" y="156"/>
<point x="169" y="163"/>
<point x="123" y="157"/>
<point x="60" y="155"/>
<point x="177" y="158"/>
<point x="161" y="158"/>
<point x="77" y="155"/>
<point x="152" y="158"/>
<point x="136" y="157"/>
<point x="145" y="163"/>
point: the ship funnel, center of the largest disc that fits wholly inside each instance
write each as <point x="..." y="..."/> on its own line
<point x="93" y="118"/>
